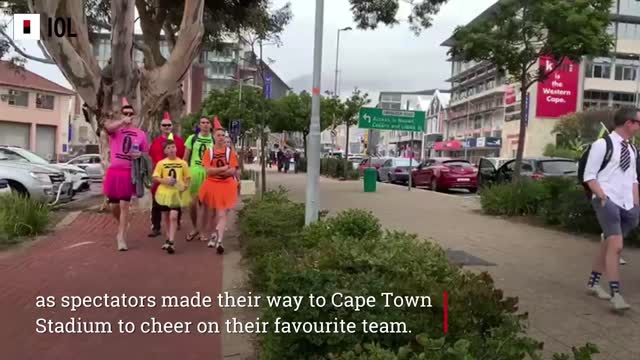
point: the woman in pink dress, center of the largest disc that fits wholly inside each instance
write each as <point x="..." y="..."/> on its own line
<point x="126" y="143"/>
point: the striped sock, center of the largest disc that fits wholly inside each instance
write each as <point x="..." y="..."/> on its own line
<point x="594" y="279"/>
<point x="615" y="287"/>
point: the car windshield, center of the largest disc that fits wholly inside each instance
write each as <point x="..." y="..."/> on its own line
<point x="404" y="162"/>
<point x="31" y="157"/>
<point x="457" y="163"/>
<point x="378" y="161"/>
<point x="558" y="167"/>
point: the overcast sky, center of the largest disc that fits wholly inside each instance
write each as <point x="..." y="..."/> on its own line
<point x="391" y="59"/>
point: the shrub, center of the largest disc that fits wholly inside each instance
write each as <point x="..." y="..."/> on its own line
<point x="21" y="216"/>
<point x="523" y="197"/>
<point x="335" y="168"/>
<point x="552" y="209"/>
<point x="302" y="165"/>
<point x="350" y="254"/>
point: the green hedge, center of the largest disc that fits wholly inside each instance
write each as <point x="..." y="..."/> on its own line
<point x="335" y="168"/>
<point x="351" y="254"/>
<point x="558" y="201"/>
<point x="21" y="217"/>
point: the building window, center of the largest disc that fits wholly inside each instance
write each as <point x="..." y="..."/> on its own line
<point x="625" y="73"/>
<point x="623" y="97"/>
<point x="18" y="98"/>
<point x="598" y="70"/>
<point x="44" y="101"/>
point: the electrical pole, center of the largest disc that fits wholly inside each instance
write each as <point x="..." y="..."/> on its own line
<point x="313" y="165"/>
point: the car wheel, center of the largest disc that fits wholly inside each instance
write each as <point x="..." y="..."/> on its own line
<point x="389" y="179"/>
<point x="18" y="188"/>
<point x="434" y="185"/>
<point x="413" y="182"/>
<point x="473" y="190"/>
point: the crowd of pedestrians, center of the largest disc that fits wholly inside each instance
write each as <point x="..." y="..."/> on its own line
<point x="199" y="175"/>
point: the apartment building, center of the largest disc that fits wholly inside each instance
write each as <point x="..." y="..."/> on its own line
<point x="485" y="109"/>
<point x="34" y="112"/>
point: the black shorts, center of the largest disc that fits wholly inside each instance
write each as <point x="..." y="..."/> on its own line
<point x="117" y="200"/>
<point x="164" y="208"/>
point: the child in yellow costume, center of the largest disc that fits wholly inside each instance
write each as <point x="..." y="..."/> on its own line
<point x="172" y="173"/>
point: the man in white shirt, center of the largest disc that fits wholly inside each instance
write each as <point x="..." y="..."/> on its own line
<point x="615" y="201"/>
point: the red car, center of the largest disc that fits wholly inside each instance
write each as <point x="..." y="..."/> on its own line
<point x="441" y="174"/>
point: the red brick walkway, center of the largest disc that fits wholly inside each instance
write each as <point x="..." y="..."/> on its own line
<point x="81" y="259"/>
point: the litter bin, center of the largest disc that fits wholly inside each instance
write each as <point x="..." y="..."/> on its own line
<point x="370" y="179"/>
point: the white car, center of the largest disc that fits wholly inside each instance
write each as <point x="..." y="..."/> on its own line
<point x="90" y="163"/>
<point x="73" y="174"/>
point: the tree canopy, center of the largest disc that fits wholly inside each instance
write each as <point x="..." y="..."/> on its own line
<point x="520" y="32"/>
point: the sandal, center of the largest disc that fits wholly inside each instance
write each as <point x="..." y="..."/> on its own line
<point x="192" y="235"/>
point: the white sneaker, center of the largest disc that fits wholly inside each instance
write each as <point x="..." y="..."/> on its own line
<point x="598" y="292"/>
<point x="213" y="240"/>
<point x="211" y="243"/>
<point x="618" y="303"/>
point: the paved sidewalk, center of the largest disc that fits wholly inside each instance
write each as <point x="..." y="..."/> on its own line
<point x="81" y="259"/>
<point x="546" y="269"/>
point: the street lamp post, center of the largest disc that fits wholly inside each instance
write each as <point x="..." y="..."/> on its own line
<point x="335" y="81"/>
<point x="313" y="164"/>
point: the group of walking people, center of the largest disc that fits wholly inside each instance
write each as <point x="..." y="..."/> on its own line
<point x="200" y="175"/>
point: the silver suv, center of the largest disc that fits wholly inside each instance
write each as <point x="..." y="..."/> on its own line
<point x="40" y="182"/>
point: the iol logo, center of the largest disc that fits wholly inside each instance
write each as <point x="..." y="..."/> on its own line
<point x="27" y="27"/>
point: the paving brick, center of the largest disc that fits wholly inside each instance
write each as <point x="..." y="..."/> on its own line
<point x="81" y="259"/>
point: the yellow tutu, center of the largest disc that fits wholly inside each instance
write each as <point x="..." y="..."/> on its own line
<point x="171" y="197"/>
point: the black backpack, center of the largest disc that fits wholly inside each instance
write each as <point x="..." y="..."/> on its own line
<point x="582" y="163"/>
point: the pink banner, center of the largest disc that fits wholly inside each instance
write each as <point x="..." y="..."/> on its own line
<point x="509" y="95"/>
<point x="558" y="94"/>
<point x="447" y="145"/>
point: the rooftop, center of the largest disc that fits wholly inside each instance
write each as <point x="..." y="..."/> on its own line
<point x="19" y="77"/>
<point x="421" y="92"/>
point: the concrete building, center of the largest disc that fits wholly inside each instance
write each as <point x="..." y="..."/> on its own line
<point x="34" y="112"/>
<point x="485" y="110"/>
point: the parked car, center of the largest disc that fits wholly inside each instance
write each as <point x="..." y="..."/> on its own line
<point x="486" y="167"/>
<point x="441" y="174"/>
<point x="73" y="174"/>
<point x="41" y="182"/>
<point x="90" y="163"/>
<point x="535" y="168"/>
<point x="371" y="162"/>
<point x="4" y="187"/>
<point x="396" y="170"/>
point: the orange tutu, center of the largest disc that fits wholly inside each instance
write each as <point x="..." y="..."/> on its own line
<point x="219" y="195"/>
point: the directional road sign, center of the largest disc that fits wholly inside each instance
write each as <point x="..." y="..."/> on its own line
<point x="382" y="119"/>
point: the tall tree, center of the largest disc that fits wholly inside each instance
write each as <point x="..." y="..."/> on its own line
<point x="292" y="113"/>
<point x="350" y="111"/>
<point x="516" y="36"/>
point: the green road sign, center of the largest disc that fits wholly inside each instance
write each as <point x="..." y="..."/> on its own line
<point x="381" y="119"/>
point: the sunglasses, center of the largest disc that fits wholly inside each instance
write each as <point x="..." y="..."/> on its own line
<point x="166" y="125"/>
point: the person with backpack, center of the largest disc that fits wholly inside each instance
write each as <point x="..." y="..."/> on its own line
<point x="196" y="146"/>
<point x="219" y="191"/>
<point x="608" y="172"/>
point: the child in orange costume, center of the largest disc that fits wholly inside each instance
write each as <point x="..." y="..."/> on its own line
<point x="219" y="190"/>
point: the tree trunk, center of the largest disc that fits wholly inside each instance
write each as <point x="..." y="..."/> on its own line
<point x="523" y="125"/>
<point x="304" y="143"/>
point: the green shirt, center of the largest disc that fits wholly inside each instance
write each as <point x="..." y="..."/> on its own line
<point x="201" y="145"/>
